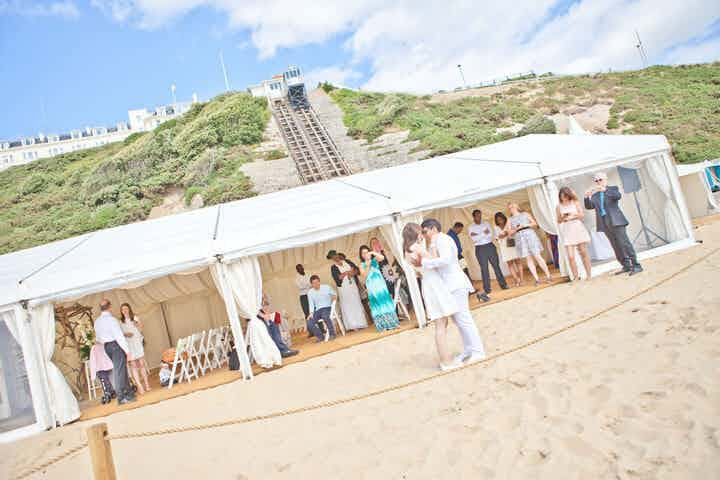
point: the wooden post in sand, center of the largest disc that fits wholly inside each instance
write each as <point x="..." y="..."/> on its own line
<point x="100" y="452"/>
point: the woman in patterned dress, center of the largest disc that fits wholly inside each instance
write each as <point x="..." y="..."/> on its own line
<point x="527" y="243"/>
<point x="382" y="306"/>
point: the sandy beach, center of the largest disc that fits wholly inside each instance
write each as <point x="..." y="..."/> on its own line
<point x="632" y="394"/>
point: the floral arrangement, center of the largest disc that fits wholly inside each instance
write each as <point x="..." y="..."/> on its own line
<point x="85" y="335"/>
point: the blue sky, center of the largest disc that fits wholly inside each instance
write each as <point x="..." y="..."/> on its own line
<point x="72" y="63"/>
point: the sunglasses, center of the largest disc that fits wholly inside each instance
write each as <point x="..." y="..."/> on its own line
<point x="598" y="180"/>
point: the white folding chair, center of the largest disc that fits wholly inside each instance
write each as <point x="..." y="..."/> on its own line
<point x="92" y="385"/>
<point x="225" y="343"/>
<point x="194" y="356"/>
<point x="398" y="299"/>
<point x="335" y="317"/>
<point x="211" y="354"/>
<point x="187" y="369"/>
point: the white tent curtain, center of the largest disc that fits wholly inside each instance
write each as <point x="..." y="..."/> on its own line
<point x="393" y="236"/>
<point x="543" y="201"/>
<point x="64" y="406"/>
<point x="542" y="211"/>
<point x="16" y="400"/>
<point x="673" y="218"/>
<point x="241" y="280"/>
<point x="245" y="280"/>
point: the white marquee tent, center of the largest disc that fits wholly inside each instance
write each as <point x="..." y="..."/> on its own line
<point x="698" y="195"/>
<point x="199" y="262"/>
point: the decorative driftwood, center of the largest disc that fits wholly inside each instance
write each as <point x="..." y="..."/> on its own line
<point x="71" y="325"/>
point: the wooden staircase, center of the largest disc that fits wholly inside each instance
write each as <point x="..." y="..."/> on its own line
<point x="312" y="149"/>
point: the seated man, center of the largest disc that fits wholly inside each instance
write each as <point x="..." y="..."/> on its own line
<point x="320" y="298"/>
<point x="272" y="322"/>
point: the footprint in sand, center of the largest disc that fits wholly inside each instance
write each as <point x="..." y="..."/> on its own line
<point x="696" y="389"/>
<point x="600" y="394"/>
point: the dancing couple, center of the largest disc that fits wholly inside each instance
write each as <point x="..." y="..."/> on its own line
<point x="445" y="289"/>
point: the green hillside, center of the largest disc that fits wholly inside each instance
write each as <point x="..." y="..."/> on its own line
<point x="682" y="103"/>
<point x="119" y="183"/>
<point x="201" y="152"/>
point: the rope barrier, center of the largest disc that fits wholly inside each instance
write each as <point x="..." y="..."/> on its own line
<point x="51" y="461"/>
<point x="374" y="393"/>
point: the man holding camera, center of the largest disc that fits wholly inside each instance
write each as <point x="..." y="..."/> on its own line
<point x="611" y="221"/>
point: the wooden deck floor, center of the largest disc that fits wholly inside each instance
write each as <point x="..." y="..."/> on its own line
<point x="308" y="349"/>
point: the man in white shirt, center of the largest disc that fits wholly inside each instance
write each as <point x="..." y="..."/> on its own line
<point x="448" y="266"/>
<point x="109" y="333"/>
<point x="302" y="281"/>
<point x="481" y="233"/>
<point x="320" y="299"/>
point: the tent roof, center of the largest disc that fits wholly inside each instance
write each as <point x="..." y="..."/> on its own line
<point x="312" y="213"/>
<point x="690" y="168"/>
<point x="562" y="155"/>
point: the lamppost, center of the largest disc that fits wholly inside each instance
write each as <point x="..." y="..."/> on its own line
<point x="462" y="75"/>
<point x="172" y="90"/>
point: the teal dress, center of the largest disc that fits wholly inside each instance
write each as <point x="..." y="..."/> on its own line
<point x="382" y="306"/>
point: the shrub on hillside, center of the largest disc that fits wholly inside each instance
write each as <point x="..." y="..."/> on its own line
<point x="537" y="124"/>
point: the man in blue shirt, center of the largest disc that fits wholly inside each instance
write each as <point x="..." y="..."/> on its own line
<point x="454" y="233"/>
<point x="610" y="220"/>
<point x="320" y="298"/>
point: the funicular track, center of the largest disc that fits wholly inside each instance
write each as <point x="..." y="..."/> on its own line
<point x="315" y="154"/>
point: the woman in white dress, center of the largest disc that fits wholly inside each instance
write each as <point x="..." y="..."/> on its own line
<point x="508" y="251"/>
<point x="439" y="302"/>
<point x="345" y="274"/>
<point x="132" y="328"/>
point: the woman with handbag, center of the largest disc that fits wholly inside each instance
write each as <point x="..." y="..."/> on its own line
<point x="508" y="252"/>
<point x="527" y="242"/>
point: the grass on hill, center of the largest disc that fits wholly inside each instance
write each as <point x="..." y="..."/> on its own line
<point x="682" y="103"/>
<point x="119" y="183"/>
<point x="440" y="127"/>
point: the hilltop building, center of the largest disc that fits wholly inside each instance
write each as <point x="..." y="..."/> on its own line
<point x="28" y="149"/>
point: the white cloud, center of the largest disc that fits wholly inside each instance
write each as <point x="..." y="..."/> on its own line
<point x="118" y="10"/>
<point x="63" y="9"/>
<point x="416" y="45"/>
<point x="336" y="75"/>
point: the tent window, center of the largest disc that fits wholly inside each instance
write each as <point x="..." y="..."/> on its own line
<point x="16" y="407"/>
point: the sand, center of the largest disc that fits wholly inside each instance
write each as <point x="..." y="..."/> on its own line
<point x="633" y="394"/>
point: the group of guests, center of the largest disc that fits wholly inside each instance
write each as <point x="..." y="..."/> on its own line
<point x="516" y="240"/>
<point x="513" y="239"/>
<point x="119" y="349"/>
<point x="371" y="277"/>
<point x="445" y="280"/>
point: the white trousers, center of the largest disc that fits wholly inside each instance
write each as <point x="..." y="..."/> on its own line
<point x="472" y="343"/>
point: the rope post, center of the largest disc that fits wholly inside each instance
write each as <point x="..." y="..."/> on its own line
<point x="101" y="452"/>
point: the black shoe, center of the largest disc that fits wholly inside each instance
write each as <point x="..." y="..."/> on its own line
<point x="504" y="287"/>
<point x="624" y="270"/>
<point x="636" y="269"/>
<point x="289" y="353"/>
<point x="483" y="297"/>
<point x="105" y="399"/>
<point x="125" y="400"/>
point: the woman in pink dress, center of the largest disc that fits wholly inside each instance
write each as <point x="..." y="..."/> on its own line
<point x="574" y="234"/>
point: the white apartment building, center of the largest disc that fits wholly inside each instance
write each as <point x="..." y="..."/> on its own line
<point x="28" y="149"/>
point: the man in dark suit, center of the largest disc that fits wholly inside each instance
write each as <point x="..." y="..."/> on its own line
<point x="612" y="222"/>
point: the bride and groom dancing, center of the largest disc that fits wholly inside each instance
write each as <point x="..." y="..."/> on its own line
<point x="445" y="289"/>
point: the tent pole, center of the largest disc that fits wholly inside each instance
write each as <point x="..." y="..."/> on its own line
<point x="410" y="276"/>
<point x="234" y="320"/>
<point x="562" y="252"/>
<point x="163" y="314"/>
